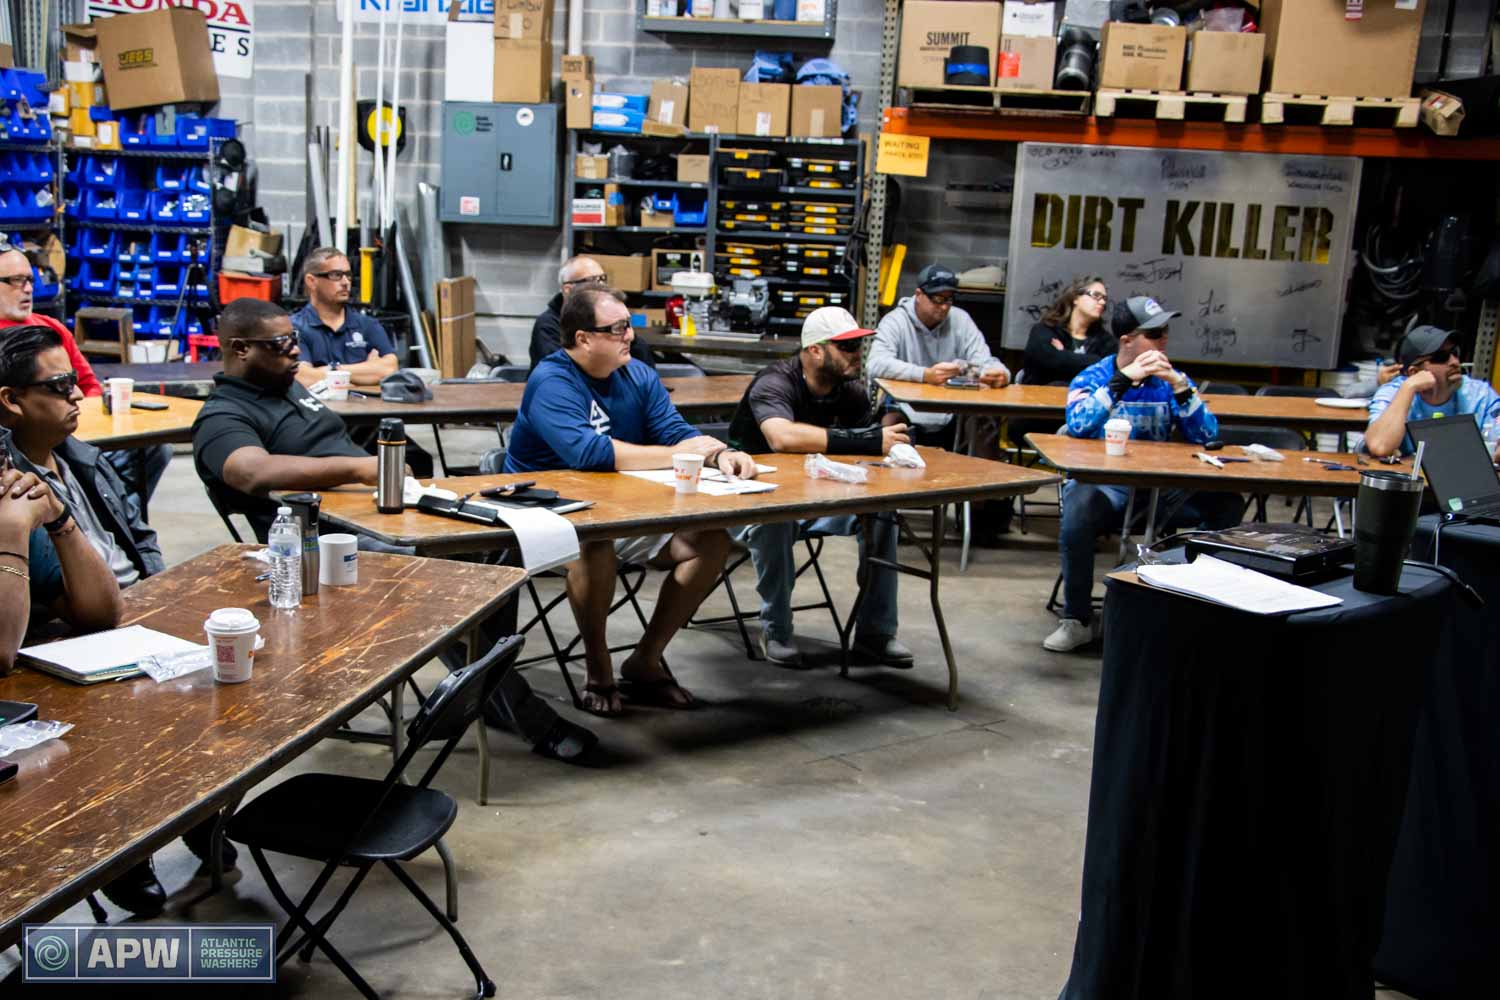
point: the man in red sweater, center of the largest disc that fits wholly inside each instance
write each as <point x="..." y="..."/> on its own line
<point x="16" y="277"/>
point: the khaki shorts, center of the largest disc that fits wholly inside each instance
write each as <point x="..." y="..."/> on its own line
<point x="640" y="550"/>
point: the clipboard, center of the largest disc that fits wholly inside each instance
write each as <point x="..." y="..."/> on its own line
<point x="488" y="510"/>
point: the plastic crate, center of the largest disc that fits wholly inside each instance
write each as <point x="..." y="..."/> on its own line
<point x="98" y="244"/>
<point x="134" y="206"/>
<point x="690" y="211"/>
<point x="41" y="290"/>
<point x="166" y="248"/>
<point x="169" y="177"/>
<point x="196" y="133"/>
<point x="99" y="204"/>
<point x="248" y="286"/>
<point x="98" y="172"/>
<point x="168" y="283"/>
<point x="100" y="277"/>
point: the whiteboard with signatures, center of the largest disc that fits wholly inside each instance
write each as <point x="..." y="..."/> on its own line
<point x="1252" y="249"/>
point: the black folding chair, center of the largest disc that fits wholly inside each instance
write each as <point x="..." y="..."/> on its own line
<point x="737" y="615"/>
<point x="345" y="821"/>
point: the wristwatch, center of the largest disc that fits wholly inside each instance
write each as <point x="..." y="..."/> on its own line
<point x="53" y="527"/>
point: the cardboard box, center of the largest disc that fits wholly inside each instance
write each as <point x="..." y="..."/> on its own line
<point x="160" y="57"/>
<point x="1141" y="56"/>
<point x="662" y="219"/>
<point x="649" y="127"/>
<point x="930" y="29"/>
<point x="628" y="274"/>
<point x="577" y="67"/>
<point x="693" y="167"/>
<point x="578" y="102"/>
<point x="468" y="58"/>
<point x="665" y="263"/>
<point x="588" y="211"/>
<point x="1442" y="112"/>
<point x="1029" y="19"/>
<point x="524" y="20"/>
<point x="669" y="102"/>
<point x="80" y="42"/>
<point x="7" y="56"/>
<point x="1312" y="49"/>
<point x="523" y="71"/>
<point x="242" y="240"/>
<point x="764" y="109"/>
<point x="715" y="100"/>
<point x="457" y="329"/>
<point x="1225" y="62"/>
<point x="818" y="111"/>
<point x="614" y="205"/>
<point x="1025" y="63"/>
<point x="591" y="167"/>
<point x="80" y="123"/>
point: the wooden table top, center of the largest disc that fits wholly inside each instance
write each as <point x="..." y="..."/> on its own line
<point x="1051" y="400"/>
<point x="138" y="428"/>
<point x="145" y="761"/>
<point x="625" y="506"/>
<point x="765" y="348"/>
<point x="1170" y="464"/>
<point x="502" y="400"/>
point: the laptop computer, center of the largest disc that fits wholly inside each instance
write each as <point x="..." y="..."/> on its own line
<point x="1458" y="466"/>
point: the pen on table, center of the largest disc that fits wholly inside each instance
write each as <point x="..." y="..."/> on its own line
<point x="1208" y="459"/>
<point x="357" y="395"/>
<point x="1330" y="464"/>
<point x="507" y="489"/>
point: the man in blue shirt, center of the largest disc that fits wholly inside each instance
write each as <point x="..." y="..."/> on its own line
<point x="590" y="406"/>
<point x="1431" y="384"/>
<point x="334" y="336"/>
<point x="1140" y="385"/>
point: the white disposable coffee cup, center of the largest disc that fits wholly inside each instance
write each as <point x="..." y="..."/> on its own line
<point x="231" y="641"/>
<point x="338" y="386"/>
<point x="338" y="560"/>
<point x="1116" y="433"/>
<point x="120" y="390"/>
<point x="687" y="469"/>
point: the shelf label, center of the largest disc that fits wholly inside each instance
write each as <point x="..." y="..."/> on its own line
<point x="902" y="154"/>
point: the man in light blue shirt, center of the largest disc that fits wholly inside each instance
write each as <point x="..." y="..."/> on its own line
<point x="1431" y="384"/>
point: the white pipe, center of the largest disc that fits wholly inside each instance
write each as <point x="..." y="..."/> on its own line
<point x="346" y="141"/>
<point x="316" y="159"/>
<point x="390" y="154"/>
<point x="377" y="197"/>
<point x="575" y="27"/>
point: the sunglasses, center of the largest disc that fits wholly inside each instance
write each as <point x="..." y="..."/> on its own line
<point x="18" y="280"/>
<point x="619" y="329"/>
<point x="1441" y="356"/>
<point x="1098" y="296"/>
<point x="60" y="385"/>
<point x="850" y="346"/>
<point x="593" y="279"/>
<point x="940" y="300"/>
<point x="279" y="345"/>
<point x="333" y="275"/>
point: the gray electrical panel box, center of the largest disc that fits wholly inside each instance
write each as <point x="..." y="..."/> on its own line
<point x="500" y="164"/>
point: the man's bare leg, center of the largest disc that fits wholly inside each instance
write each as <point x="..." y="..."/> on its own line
<point x="699" y="557"/>
<point x="591" y="590"/>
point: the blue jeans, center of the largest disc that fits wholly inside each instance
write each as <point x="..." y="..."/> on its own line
<point x="132" y="463"/>
<point x="772" y="551"/>
<point x="1089" y="510"/>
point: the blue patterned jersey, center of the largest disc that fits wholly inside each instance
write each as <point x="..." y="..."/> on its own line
<point x="1150" y="408"/>
<point x="1472" y="397"/>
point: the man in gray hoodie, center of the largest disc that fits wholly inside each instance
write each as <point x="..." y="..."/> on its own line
<point x="927" y="338"/>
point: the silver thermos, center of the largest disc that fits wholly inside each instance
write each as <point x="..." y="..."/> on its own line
<point x="305" y="507"/>
<point x="391" y="449"/>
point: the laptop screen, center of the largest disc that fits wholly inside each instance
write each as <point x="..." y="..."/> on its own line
<point x="1457" y="463"/>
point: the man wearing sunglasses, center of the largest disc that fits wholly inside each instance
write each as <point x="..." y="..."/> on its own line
<point x="1431" y="384"/>
<point x="546" y="333"/>
<point x="334" y="336"/>
<point x="1140" y="385"/>
<point x="815" y="402"/>
<point x="591" y="406"/>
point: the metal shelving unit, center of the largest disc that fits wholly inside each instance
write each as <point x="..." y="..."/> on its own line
<point x="730" y="27"/>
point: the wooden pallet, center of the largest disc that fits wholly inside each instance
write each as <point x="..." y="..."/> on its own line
<point x="1171" y="105"/>
<point x="1007" y="102"/>
<point x="1316" y="109"/>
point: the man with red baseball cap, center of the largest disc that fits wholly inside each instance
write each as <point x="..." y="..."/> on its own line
<point x="815" y="402"/>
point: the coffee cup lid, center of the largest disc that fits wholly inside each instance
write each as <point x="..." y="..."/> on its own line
<point x="232" y="620"/>
<point x="1117" y="422"/>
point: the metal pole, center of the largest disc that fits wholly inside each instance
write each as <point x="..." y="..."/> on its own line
<point x="345" y="139"/>
<point x="874" y="249"/>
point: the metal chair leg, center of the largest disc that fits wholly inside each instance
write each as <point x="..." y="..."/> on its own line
<point x="484" y="986"/>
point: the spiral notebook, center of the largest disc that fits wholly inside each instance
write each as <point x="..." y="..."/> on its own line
<point x="102" y="656"/>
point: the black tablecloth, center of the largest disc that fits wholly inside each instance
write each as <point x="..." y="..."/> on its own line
<point x="1442" y="920"/>
<point x="1248" y="782"/>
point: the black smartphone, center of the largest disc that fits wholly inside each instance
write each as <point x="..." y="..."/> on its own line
<point x="7" y="770"/>
<point x="962" y="382"/>
<point x="147" y="404"/>
<point x="16" y="711"/>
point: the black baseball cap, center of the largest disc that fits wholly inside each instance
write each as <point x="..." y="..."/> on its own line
<point x="1139" y="312"/>
<point x="937" y="278"/>
<point x="1421" y="342"/>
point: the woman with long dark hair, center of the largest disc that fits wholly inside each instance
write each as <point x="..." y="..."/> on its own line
<point x="1070" y="334"/>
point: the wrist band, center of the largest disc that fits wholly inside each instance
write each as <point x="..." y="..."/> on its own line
<point x="713" y="456"/>
<point x="64" y="531"/>
<point x="855" y="441"/>
<point x="15" y="572"/>
<point x="53" y="527"/>
<point x="17" y="555"/>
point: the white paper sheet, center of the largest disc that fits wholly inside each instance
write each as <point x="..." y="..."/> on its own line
<point x="711" y="483"/>
<point x="1235" y="586"/>
<point x="546" y="539"/>
<point x="87" y="656"/>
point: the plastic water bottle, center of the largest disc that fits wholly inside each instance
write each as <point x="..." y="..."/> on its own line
<point x="286" y="560"/>
<point x="1491" y="429"/>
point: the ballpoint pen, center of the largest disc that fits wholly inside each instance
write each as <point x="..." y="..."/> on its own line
<point x="1208" y="459"/>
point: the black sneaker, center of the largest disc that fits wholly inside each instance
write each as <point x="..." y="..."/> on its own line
<point x="138" y="891"/>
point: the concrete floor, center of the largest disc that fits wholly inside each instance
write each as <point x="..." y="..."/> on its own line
<point x="800" y="836"/>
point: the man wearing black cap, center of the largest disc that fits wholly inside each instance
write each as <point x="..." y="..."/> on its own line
<point x="927" y="338"/>
<point x="1431" y="384"/>
<point x="1140" y="385"/>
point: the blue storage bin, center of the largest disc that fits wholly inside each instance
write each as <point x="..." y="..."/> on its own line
<point x="10" y="87"/>
<point x="162" y="322"/>
<point x="159" y="140"/>
<point x="29" y="84"/>
<point x="99" y="204"/>
<point x="99" y="172"/>
<point x="195" y="181"/>
<point x="133" y="248"/>
<point x="196" y="133"/>
<point x="202" y="215"/>
<point x="190" y="325"/>
<point x="136" y="130"/>
<point x="42" y="168"/>
<point x="134" y="206"/>
<point x="166" y="207"/>
<point x="197" y="279"/>
<point x="194" y="250"/>
<point x="100" y="277"/>
<point x="100" y="244"/>
<point x="169" y="177"/>
<point x="42" y="291"/>
<point x="689" y="211"/>
<point x="164" y="248"/>
<point x="168" y="283"/>
<point x="143" y="318"/>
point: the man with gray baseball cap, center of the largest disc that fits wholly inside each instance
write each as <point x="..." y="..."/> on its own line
<point x="1431" y="384"/>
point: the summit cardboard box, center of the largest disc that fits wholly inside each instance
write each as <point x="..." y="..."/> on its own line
<point x="930" y="29"/>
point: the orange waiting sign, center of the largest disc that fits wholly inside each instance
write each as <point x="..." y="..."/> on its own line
<point x="902" y="154"/>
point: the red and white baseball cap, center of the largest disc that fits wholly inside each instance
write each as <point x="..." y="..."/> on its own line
<point x="831" y="323"/>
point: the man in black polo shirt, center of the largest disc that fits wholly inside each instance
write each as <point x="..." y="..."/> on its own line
<point x="335" y="335"/>
<point x="811" y="403"/>
<point x="260" y="430"/>
<point x="546" y="333"/>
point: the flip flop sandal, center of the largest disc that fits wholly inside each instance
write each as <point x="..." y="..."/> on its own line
<point x="657" y="692"/>
<point x="606" y="692"/>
